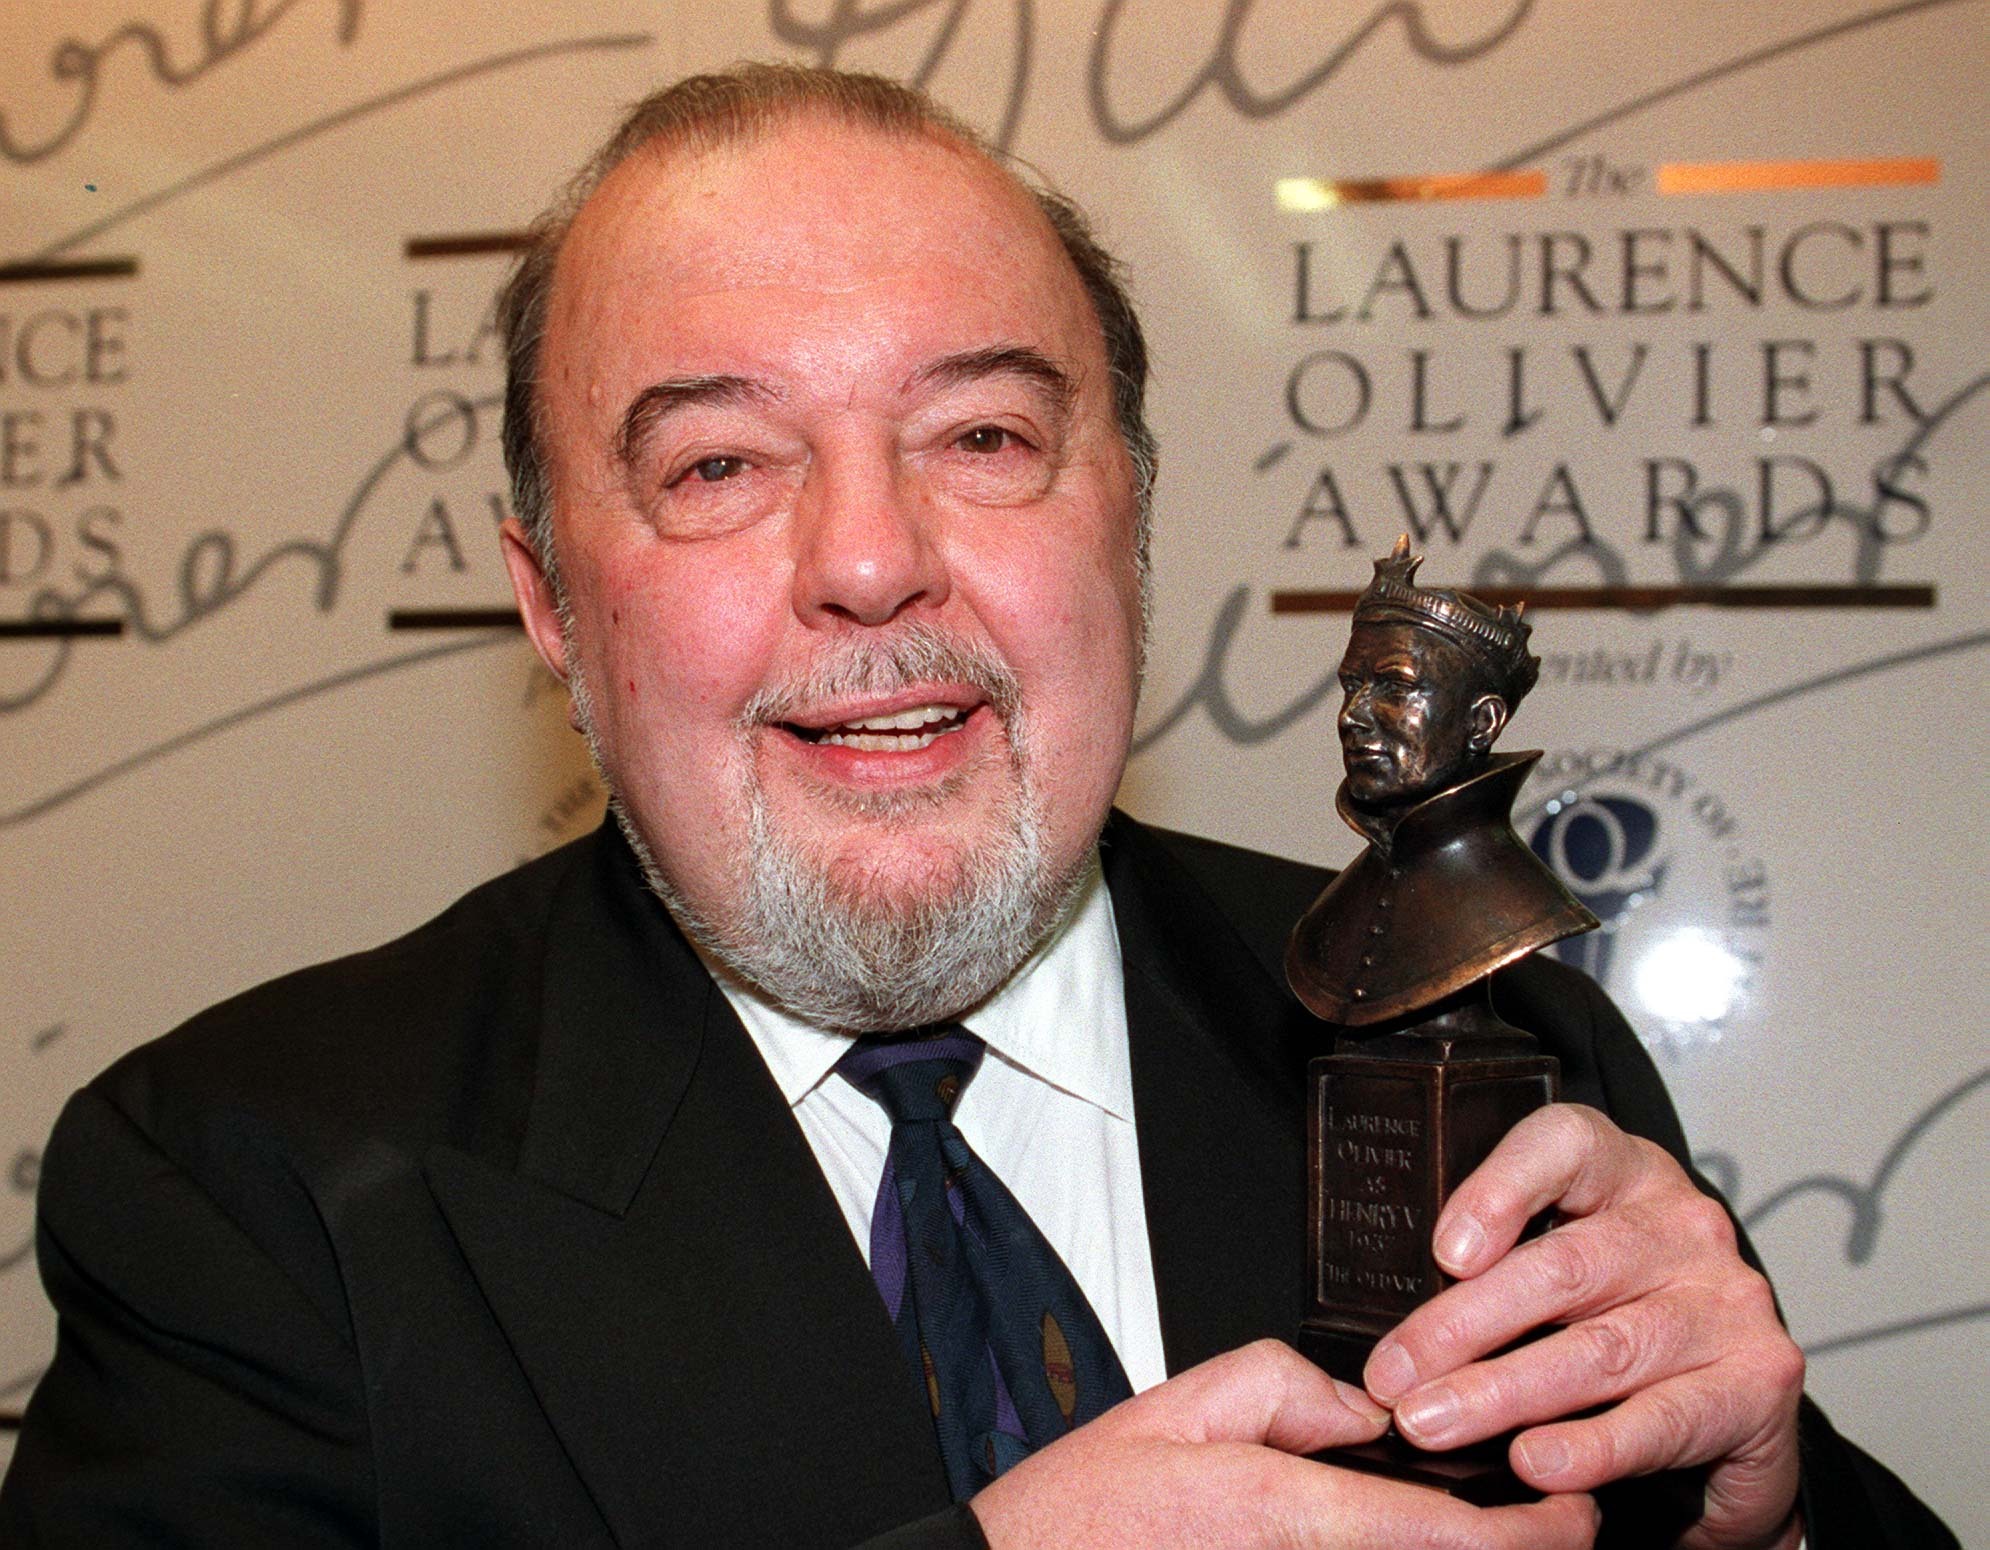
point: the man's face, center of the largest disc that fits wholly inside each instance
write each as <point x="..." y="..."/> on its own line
<point x="1409" y="714"/>
<point x="844" y="520"/>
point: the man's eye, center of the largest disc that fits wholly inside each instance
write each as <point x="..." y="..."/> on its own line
<point x="711" y="470"/>
<point x="985" y="438"/>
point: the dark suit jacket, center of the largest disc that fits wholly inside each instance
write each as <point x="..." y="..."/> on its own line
<point x="502" y="1235"/>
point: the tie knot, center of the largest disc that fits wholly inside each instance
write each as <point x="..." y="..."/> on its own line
<point x="915" y="1076"/>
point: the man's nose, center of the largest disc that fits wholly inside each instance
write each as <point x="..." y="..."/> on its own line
<point x="1355" y="712"/>
<point x="866" y="548"/>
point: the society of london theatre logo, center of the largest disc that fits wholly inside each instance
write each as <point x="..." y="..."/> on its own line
<point x="1668" y="868"/>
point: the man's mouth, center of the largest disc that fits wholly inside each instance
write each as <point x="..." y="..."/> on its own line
<point x="901" y="731"/>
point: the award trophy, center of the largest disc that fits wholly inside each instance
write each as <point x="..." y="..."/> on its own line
<point x="1424" y="1077"/>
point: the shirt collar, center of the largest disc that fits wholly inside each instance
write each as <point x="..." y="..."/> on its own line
<point x="1061" y="1017"/>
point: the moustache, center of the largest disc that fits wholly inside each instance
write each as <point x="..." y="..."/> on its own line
<point x="916" y="654"/>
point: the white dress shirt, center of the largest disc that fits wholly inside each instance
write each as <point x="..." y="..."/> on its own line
<point x="1050" y="1111"/>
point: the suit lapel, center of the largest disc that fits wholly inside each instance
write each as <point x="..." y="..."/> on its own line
<point x="670" y="1268"/>
<point x="1217" y="1052"/>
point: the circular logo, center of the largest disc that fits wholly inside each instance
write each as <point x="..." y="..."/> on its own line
<point x="1667" y="867"/>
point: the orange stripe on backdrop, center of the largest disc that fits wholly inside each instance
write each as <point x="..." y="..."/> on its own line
<point x="1748" y="177"/>
<point x="1328" y="193"/>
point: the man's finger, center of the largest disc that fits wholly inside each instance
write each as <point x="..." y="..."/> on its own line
<point x="1566" y="1155"/>
<point x="1265" y="1393"/>
<point x="1578" y="1271"/>
<point x="1689" y="1420"/>
<point x="1592" y="1362"/>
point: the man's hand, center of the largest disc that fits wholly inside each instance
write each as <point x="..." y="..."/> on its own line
<point x="1208" y="1459"/>
<point x="1662" y="1317"/>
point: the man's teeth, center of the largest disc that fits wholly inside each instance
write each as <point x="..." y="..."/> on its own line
<point x="899" y="732"/>
<point x="905" y="720"/>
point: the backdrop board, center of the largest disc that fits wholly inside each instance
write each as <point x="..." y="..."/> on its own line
<point x="1672" y="315"/>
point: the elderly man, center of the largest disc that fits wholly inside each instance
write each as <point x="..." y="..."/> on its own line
<point x="549" y="1224"/>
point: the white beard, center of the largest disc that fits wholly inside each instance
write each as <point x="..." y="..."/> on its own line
<point x="829" y="951"/>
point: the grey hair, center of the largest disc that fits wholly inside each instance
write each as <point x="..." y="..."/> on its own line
<point x="706" y="112"/>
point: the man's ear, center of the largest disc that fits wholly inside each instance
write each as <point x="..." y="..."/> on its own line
<point x="541" y="615"/>
<point x="1489" y="715"/>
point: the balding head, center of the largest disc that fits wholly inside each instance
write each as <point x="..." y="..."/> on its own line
<point x="706" y="112"/>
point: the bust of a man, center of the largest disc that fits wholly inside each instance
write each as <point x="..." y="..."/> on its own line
<point x="1445" y="893"/>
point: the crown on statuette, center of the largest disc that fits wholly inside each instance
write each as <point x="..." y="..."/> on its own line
<point x="1494" y="635"/>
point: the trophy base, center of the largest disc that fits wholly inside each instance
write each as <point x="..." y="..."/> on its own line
<point x="1398" y="1120"/>
<point x="1478" y="1473"/>
<point x="1662" y="1506"/>
<point x="1646" y="1512"/>
<point x="1396" y="1123"/>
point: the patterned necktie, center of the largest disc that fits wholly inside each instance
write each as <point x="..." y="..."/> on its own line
<point x="1011" y="1355"/>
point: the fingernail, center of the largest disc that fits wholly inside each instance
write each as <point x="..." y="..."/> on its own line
<point x="1458" y="1242"/>
<point x="1429" y="1416"/>
<point x="1391" y="1373"/>
<point x="1358" y="1401"/>
<point x="1543" y="1457"/>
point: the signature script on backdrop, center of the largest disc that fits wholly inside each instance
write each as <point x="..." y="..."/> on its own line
<point x="215" y="573"/>
<point x="229" y="29"/>
<point x="225" y="30"/>
<point x="1221" y="71"/>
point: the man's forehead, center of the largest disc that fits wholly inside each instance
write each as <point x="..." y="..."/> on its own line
<point x="812" y="201"/>
<point x="816" y="256"/>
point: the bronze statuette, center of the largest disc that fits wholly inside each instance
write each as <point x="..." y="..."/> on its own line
<point x="1425" y="1078"/>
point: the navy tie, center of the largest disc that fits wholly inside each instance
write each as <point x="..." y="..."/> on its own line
<point x="1010" y="1353"/>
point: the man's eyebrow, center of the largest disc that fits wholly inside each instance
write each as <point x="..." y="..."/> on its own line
<point x="660" y="400"/>
<point x="1002" y="360"/>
